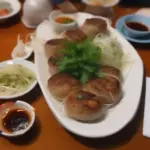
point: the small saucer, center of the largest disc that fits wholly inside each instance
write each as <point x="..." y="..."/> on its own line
<point x="8" y="106"/>
<point x="120" y="27"/>
<point x="28" y="50"/>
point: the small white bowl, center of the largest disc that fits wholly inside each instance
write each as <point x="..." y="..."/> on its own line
<point x="29" y="109"/>
<point x="111" y="4"/>
<point x="26" y="64"/>
<point x="16" y="7"/>
<point x="58" y="27"/>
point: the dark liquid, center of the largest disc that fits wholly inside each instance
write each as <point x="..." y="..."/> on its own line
<point x="137" y="26"/>
<point x="15" y="120"/>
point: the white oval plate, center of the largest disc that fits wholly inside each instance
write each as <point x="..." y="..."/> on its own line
<point x="24" y="63"/>
<point x="119" y="116"/>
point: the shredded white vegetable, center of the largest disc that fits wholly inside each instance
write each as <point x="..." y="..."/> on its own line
<point x="15" y="79"/>
<point x="112" y="52"/>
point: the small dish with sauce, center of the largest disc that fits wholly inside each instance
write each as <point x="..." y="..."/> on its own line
<point x="137" y="26"/>
<point x="62" y="22"/>
<point x="16" y="118"/>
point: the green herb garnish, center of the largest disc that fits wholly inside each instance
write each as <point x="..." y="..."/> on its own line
<point x="81" y="60"/>
<point x="68" y="21"/>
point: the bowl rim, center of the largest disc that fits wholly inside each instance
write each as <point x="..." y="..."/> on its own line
<point x="104" y="6"/>
<point x="132" y="30"/>
<point x="14" y="11"/>
<point x="32" y="113"/>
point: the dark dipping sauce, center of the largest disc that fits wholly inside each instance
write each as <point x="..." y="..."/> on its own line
<point x="137" y="26"/>
<point x="15" y="120"/>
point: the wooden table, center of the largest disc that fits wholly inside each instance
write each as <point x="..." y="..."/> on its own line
<point x="48" y="134"/>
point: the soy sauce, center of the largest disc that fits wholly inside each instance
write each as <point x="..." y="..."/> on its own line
<point x="137" y="26"/>
<point x="15" y="120"/>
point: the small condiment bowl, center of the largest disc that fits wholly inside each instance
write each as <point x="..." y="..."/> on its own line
<point x="145" y="21"/>
<point x="6" y="107"/>
<point x="60" y="27"/>
<point x="15" y="7"/>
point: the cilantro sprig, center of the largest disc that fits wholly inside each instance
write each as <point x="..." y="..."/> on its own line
<point x="82" y="60"/>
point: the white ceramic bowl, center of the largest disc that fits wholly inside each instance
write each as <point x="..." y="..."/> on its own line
<point x="29" y="109"/>
<point x="58" y="27"/>
<point x="26" y="64"/>
<point x="16" y="7"/>
<point x="111" y="4"/>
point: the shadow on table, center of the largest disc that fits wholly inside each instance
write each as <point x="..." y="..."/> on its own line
<point x="142" y="46"/>
<point x="30" y="137"/>
<point x="11" y="21"/>
<point x="31" y="58"/>
<point x="122" y="137"/>
<point x="135" y="3"/>
<point x="30" y="97"/>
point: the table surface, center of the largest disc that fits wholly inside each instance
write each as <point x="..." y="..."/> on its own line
<point x="47" y="132"/>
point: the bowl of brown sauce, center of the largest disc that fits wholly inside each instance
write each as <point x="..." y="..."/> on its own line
<point x="16" y="118"/>
<point x="137" y="26"/>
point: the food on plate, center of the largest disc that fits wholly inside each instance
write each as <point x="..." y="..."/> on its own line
<point x="61" y="84"/>
<point x="101" y="86"/>
<point x="53" y="67"/>
<point x="111" y="51"/>
<point x="83" y="106"/>
<point x="76" y="35"/>
<point x="86" y="67"/>
<point x="109" y="71"/>
<point x="93" y="26"/>
<point x="54" y="46"/>
<point x="108" y="85"/>
<point x="64" y="20"/>
<point x="15" y="79"/>
<point x="81" y="60"/>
